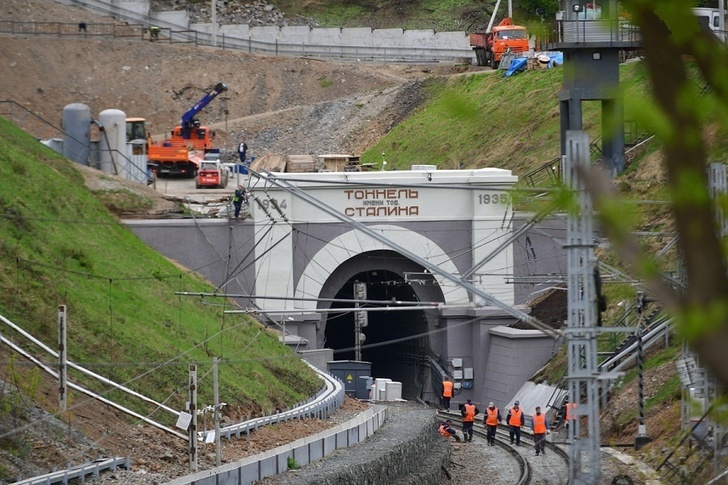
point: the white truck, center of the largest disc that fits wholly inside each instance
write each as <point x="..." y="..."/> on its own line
<point x="713" y="19"/>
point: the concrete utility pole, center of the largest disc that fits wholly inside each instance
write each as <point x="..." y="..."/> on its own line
<point x="192" y="430"/>
<point x="584" y="453"/>
<point x="62" y="360"/>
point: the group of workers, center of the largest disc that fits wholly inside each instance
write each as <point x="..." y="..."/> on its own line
<point x="492" y="416"/>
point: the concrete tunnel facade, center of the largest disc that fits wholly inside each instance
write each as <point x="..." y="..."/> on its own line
<point x="297" y="251"/>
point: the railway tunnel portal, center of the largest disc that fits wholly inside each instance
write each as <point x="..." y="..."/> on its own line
<point x="412" y="237"/>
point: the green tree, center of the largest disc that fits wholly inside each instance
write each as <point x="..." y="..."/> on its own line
<point x="679" y="113"/>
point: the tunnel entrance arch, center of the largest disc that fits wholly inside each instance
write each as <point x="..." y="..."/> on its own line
<point x="398" y="342"/>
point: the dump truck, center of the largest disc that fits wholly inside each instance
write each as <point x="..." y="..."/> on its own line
<point x="504" y="38"/>
<point x="183" y="151"/>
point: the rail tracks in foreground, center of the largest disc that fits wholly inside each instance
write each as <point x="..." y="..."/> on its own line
<point x="550" y="467"/>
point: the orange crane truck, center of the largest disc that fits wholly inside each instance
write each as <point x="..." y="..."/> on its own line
<point x="504" y="38"/>
<point x="182" y="153"/>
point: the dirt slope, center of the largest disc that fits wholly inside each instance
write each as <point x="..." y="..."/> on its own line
<point x="277" y="104"/>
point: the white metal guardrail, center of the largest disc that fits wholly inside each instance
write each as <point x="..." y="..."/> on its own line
<point x="322" y="405"/>
<point x="329" y="399"/>
<point x="629" y="355"/>
<point x="81" y="472"/>
<point x="303" y="451"/>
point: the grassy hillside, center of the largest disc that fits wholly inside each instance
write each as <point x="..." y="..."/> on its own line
<point x="487" y="120"/>
<point x="440" y="15"/>
<point x="60" y="245"/>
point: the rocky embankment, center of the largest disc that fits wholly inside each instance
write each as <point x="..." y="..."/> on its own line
<point x="253" y="14"/>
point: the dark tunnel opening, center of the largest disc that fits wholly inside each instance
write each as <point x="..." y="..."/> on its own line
<point x="388" y="345"/>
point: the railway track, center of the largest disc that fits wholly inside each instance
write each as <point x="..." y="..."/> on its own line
<point x="550" y="467"/>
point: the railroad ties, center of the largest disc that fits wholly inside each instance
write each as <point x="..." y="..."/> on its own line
<point x="550" y="467"/>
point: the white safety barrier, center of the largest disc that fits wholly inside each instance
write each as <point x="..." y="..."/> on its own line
<point x="322" y="405"/>
<point x="301" y="452"/>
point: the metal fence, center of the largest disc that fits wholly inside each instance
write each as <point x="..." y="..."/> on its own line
<point x="617" y="34"/>
<point x="134" y="24"/>
<point x="81" y="29"/>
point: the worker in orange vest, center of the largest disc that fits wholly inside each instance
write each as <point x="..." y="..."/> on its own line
<point x="446" y="430"/>
<point x="569" y="408"/>
<point x="539" y="427"/>
<point x="515" y="421"/>
<point x="446" y="393"/>
<point x="468" y="411"/>
<point x="491" y="420"/>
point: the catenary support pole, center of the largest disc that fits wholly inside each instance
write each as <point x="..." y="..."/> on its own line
<point x="582" y="330"/>
<point x="216" y="414"/>
<point x="642" y="437"/>
<point x="192" y="430"/>
<point x="62" y="360"/>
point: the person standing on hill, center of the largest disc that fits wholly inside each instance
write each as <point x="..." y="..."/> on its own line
<point x="539" y="427"/>
<point x="515" y="421"/>
<point x="242" y="151"/>
<point x="446" y="393"/>
<point x="491" y="420"/>
<point x="468" y="411"/>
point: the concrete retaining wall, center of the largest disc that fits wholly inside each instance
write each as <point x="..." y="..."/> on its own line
<point x="416" y="462"/>
<point x="513" y="357"/>
<point x="304" y="451"/>
<point x="408" y="451"/>
<point x="362" y="43"/>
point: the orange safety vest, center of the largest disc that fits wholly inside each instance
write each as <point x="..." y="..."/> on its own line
<point x="539" y="423"/>
<point x="516" y="417"/>
<point x="444" y="432"/>
<point x="447" y="389"/>
<point x="569" y="407"/>
<point x="492" y="419"/>
<point x="469" y="413"/>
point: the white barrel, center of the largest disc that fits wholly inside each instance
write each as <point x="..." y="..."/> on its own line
<point x="112" y="142"/>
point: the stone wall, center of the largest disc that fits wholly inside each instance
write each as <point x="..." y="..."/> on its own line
<point x="417" y="461"/>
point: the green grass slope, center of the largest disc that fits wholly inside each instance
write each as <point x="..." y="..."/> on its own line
<point x="488" y="120"/>
<point x="60" y="246"/>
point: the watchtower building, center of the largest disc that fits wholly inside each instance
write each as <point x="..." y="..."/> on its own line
<point x="592" y="39"/>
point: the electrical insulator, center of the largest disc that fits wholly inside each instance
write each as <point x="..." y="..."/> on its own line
<point x="362" y="338"/>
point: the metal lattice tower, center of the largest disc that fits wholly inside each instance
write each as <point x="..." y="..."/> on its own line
<point x="698" y="384"/>
<point x="718" y="180"/>
<point x="584" y="436"/>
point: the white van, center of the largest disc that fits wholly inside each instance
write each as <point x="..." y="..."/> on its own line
<point x="709" y="18"/>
